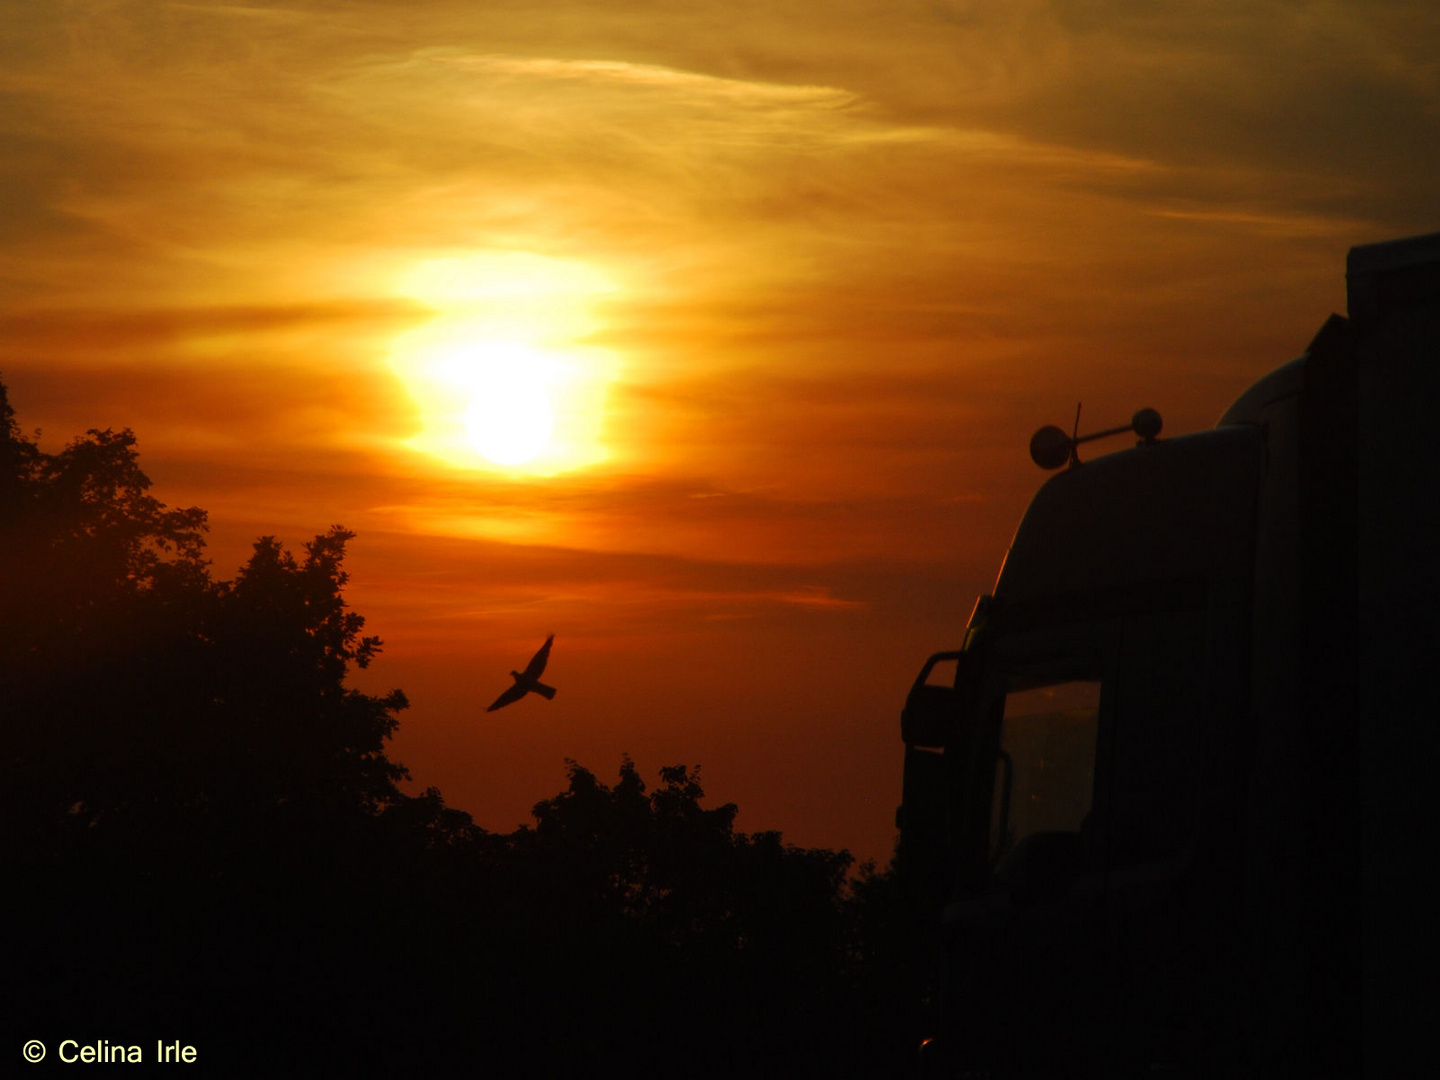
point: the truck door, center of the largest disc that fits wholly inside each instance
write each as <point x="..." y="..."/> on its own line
<point x="1095" y="928"/>
<point x="1027" y="934"/>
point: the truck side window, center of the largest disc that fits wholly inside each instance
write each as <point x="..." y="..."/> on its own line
<point x="1045" y="769"/>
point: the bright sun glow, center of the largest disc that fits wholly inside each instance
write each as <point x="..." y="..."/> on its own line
<point x="501" y="376"/>
<point x="509" y="419"/>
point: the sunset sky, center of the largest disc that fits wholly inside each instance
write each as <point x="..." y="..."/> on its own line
<point x="790" y="284"/>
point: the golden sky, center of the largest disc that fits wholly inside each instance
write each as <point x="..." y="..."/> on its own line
<point x="791" y="285"/>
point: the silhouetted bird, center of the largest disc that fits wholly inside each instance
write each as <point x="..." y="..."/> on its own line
<point x="527" y="680"/>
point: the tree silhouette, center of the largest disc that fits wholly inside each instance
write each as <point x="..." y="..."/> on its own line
<point x="213" y="843"/>
<point x="186" y="774"/>
<point x="733" y="944"/>
<point x="135" y="686"/>
<point x="94" y="572"/>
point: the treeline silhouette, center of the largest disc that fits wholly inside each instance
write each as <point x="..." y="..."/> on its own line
<point x="205" y="841"/>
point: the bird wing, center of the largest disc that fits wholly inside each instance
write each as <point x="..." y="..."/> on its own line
<point x="515" y="693"/>
<point x="539" y="660"/>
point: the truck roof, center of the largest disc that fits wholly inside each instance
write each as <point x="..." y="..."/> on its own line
<point x="1176" y="510"/>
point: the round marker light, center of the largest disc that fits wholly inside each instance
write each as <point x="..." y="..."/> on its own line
<point x="1050" y="447"/>
<point x="1147" y="424"/>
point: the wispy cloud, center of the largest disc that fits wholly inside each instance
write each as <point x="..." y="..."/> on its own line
<point x="118" y="328"/>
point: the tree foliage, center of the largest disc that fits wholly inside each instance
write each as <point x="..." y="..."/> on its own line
<point x="137" y="686"/>
<point x="214" y="841"/>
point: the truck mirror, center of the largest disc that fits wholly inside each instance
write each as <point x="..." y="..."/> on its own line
<point x="931" y="716"/>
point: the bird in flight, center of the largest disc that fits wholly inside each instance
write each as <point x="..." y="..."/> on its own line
<point x="528" y="680"/>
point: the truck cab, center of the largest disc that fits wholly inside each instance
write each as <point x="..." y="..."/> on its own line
<point x="1150" y="801"/>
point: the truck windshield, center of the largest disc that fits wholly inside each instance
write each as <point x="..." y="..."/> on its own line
<point x="1045" y="770"/>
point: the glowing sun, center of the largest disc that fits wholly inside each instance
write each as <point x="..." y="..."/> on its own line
<point x="502" y="376"/>
<point x="509" y="419"/>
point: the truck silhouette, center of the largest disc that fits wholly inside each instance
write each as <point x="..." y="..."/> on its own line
<point x="1169" y="805"/>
